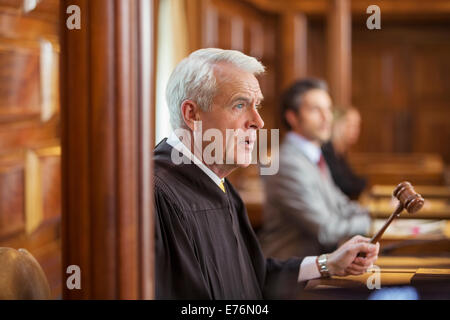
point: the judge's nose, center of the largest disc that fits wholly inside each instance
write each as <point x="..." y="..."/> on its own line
<point x="255" y="121"/>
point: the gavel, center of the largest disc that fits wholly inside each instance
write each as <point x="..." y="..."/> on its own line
<point x="408" y="199"/>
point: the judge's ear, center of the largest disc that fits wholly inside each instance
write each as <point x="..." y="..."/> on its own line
<point x="292" y="118"/>
<point x="190" y="112"/>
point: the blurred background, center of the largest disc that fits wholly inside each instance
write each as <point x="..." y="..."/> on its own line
<point x="397" y="77"/>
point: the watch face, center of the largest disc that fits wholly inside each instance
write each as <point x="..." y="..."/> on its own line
<point x="322" y="260"/>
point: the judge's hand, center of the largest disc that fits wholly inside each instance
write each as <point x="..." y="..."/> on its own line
<point x="344" y="260"/>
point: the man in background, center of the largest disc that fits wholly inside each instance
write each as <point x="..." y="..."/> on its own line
<point x="305" y="213"/>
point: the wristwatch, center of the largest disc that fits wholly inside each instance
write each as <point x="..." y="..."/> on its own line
<point x="322" y="265"/>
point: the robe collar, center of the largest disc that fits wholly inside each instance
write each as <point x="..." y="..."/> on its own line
<point x="175" y="142"/>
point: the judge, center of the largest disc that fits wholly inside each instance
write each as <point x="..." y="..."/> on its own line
<point x="205" y="247"/>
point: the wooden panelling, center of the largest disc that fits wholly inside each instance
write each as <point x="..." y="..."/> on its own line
<point x="431" y="71"/>
<point x="107" y="97"/>
<point x="294" y="47"/>
<point x="390" y="168"/>
<point x="30" y="178"/>
<point x="390" y="8"/>
<point x="399" y="74"/>
<point x="12" y="191"/>
<point x="432" y="133"/>
<point x="28" y="79"/>
<point x="16" y="25"/>
<point x="239" y="26"/>
<point x="30" y="208"/>
<point x="27" y="134"/>
<point x="316" y="47"/>
<point x="13" y="5"/>
<point x="42" y="10"/>
<point x="339" y="34"/>
<point x="19" y="80"/>
<point x="51" y="184"/>
<point x="401" y="86"/>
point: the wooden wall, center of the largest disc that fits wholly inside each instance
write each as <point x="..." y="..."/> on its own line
<point x="237" y="25"/>
<point x="400" y="82"/>
<point x="107" y="95"/>
<point x="399" y="75"/>
<point x="30" y="179"/>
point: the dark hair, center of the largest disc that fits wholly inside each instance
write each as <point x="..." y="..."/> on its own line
<point x="291" y="98"/>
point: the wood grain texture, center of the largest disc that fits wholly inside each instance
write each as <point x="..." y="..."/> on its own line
<point x="390" y="8"/>
<point x="30" y="197"/>
<point x="107" y="94"/>
<point x="294" y="47"/>
<point x="339" y="35"/>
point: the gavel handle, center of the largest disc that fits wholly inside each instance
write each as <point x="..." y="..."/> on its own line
<point x="380" y="233"/>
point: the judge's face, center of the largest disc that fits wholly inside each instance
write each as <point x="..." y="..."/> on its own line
<point x="235" y="106"/>
<point x="313" y="119"/>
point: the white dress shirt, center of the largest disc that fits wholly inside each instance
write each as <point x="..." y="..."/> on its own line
<point x="312" y="151"/>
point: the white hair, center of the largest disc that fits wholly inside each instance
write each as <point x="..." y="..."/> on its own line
<point x="193" y="78"/>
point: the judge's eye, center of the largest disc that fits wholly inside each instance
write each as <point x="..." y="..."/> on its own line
<point x="258" y="106"/>
<point x="239" y="106"/>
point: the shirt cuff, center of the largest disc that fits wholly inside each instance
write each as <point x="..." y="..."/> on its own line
<point x="308" y="269"/>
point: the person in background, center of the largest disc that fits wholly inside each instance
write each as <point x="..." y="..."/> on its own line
<point x="305" y="213"/>
<point x="346" y="128"/>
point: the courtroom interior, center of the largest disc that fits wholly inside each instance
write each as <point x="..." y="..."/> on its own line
<point x="83" y="107"/>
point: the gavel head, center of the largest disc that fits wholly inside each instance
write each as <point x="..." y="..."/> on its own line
<point x="408" y="197"/>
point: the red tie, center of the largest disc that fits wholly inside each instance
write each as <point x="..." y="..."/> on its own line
<point x="322" y="166"/>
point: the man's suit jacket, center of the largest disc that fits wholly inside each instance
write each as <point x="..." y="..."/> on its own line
<point x="305" y="213"/>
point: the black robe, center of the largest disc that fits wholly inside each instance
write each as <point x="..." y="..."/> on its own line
<point x="205" y="246"/>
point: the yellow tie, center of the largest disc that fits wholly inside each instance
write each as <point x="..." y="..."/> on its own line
<point x="222" y="186"/>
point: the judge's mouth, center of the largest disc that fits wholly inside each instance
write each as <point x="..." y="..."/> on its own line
<point x="250" y="139"/>
<point x="249" y="143"/>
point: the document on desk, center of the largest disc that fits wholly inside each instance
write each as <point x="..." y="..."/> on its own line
<point x="412" y="228"/>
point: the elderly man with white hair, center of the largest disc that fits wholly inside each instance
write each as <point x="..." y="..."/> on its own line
<point x="205" y="246"/>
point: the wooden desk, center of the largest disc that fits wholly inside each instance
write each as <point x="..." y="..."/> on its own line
<point x="414" y="237"/>
<point x="432" y="209"/>
<point x="412" y="229"/>
<point x="428" y="192"/>
<point x="392" y="168"/>
<point x="381" y="204"/>
<point x="394" y="271"/>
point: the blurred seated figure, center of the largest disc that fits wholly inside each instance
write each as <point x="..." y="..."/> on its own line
<point x="345" y="133"/>
<point x="21" y="276"/>
<point x="305" y="213"/>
